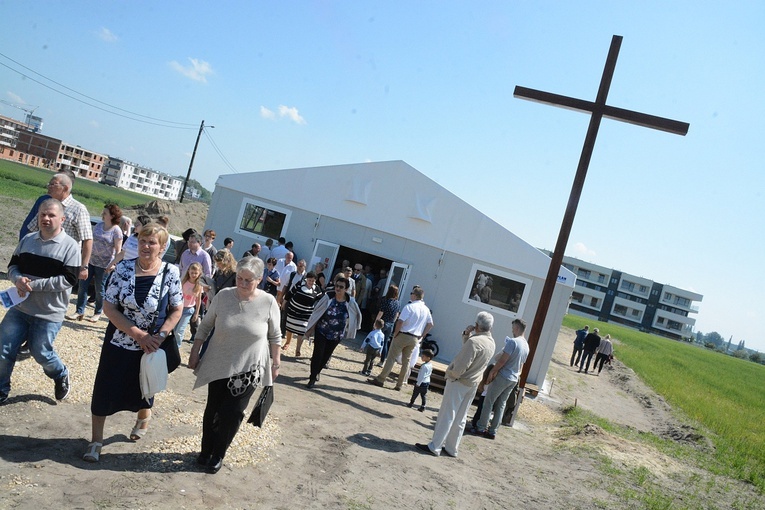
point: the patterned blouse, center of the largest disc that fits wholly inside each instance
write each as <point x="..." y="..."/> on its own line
<point x="332" y="324"/>
<point x="121" y="292"/>
<point x="103" y="245"/>
<point x="389" y="309"/>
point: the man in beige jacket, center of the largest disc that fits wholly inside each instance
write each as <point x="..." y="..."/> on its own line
<point x="462" y="378"/>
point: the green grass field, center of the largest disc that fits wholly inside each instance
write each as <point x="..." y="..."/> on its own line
<point x="724" y="394"/>
<point x="28" y="182"/>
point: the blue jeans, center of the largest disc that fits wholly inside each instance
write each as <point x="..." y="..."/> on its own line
<point x="183" y="323"/>
<point x="17" y="327"/>
<point x="496" y="398"/>
<point x="96" y="275"/>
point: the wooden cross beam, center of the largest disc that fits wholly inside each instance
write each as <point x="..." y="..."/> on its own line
<point x="597" y="110"/>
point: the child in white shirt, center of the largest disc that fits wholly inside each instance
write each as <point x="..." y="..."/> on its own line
<point x="423" y="379"/>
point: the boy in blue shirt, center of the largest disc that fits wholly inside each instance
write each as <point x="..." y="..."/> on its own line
<point x="423" y="379"/>
<point x="372" y="346"/>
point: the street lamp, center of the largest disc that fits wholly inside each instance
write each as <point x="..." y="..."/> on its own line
<point x="191" y="163"/>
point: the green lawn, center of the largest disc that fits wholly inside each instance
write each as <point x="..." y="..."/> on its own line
<point x="27" y="182"/>
<point x="724" y="394"/>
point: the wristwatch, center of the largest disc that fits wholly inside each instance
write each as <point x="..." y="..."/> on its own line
<point x="83" y="268"/>
<point x="162" y="334"/>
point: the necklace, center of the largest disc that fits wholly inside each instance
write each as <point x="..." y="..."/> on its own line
<point x="151" y="268"/>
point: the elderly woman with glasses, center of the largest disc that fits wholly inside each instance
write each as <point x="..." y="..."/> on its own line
<point x="336" y="316"/>
<point x="243" y="353"/>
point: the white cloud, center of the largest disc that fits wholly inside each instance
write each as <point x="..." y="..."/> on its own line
<point x="581" y="250"/>
<point x="107" y="35"/>
<point x="266" y="113"/>
<point x="291" y="113"/>
<point x="15" y="98"/>
<point x="197" y="71"/>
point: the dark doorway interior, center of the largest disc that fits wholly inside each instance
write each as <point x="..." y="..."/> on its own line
<point x="370" y="307"/>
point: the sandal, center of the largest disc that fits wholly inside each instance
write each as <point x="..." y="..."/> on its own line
<point x="297" y="354"/>
<point x="93" y="453"/>
<point x="95" y="318"/>
<point x="137" y="432"/>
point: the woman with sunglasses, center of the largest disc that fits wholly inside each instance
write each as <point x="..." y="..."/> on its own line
<point x="336" y="316"/>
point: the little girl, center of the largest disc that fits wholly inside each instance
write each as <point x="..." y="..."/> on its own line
<point x="192" y="299"/>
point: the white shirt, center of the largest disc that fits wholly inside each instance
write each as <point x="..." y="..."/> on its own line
<point x="284" y="272"/>
<point x="414" y="317"/>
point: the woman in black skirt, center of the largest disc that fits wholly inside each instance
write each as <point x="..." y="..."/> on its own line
<point x="132" y="302"/>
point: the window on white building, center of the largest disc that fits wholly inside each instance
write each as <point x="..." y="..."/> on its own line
<point x="262" y="220"/>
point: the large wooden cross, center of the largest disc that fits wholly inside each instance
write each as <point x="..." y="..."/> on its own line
<point x="597" y="110"/>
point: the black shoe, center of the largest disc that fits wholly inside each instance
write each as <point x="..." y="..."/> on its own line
<point x="3" y="399"/>
<point x="489" y="435"/>
<point x="375" y="382"/>
<point x="410" y="405"/>
<point x="214" y="465"/>
<point x="425" y="449"/>
<point x="203" y="459"/>
<point x="421" y="409"/>
<point x="23" y="353"/>
<point x="62" y="387"/>
<point x="311" y="383"/>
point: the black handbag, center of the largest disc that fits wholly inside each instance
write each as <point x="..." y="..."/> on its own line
<point x="259" y="413"/>
<point x="169" y="345"/>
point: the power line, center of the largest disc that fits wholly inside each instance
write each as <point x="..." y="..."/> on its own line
<point x="220" y="153"/>
<point x="158" y="122"/>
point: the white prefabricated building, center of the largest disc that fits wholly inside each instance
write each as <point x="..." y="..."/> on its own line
<point x="391" y="216"/>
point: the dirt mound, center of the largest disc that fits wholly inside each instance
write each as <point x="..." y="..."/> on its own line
<point x="182" y="216"/>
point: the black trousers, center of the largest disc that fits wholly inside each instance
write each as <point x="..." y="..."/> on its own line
<point x="600" y="359"/>
<point x="322" y="351"/>
<point x="576" y="354"/>
<point x="586" y="358"/>
<point x="223" y="416"/>
<point x="422" y="391"/>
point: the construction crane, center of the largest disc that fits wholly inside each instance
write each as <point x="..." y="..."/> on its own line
<point x="30" y="114"/>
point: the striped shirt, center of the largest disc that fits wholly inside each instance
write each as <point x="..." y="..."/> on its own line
<point x="52" y="266"/>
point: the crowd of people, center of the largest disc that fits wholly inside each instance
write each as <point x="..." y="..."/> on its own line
<point x="242" y="315"/>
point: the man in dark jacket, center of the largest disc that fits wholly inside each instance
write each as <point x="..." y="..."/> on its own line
<point x="591" y="343"/>
<point x="579" y="345"/>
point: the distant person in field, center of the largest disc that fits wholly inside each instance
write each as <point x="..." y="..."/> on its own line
<point x="579" y="345"/>
<point x="604" y="353"/>
<point x="591" y="344"/>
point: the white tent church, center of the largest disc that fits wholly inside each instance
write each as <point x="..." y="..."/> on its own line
<point x="390" y="216"/>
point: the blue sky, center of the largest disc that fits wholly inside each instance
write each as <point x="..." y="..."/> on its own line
<point x="296" y="84"/>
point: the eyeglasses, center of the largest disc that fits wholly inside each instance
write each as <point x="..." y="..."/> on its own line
<point x="53" y="184"/>
<point x="358" y="270"/>
<point x="339" y="287"/>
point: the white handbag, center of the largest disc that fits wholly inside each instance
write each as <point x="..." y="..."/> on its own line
<point x="153" y="375"/>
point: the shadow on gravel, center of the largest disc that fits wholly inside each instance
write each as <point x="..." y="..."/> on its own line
<point x="21" y="450"/>
<point x="373" y="442"/>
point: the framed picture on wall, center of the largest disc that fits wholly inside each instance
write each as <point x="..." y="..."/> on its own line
<point x="497" y="291"/>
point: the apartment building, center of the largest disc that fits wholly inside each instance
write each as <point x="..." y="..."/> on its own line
<point x="20" y="144"/>
<point x="609" y="295"/>
<point x="84" y="163"/>
<point x="127" y="175"/>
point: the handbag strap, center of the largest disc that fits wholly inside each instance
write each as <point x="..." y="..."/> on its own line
<point x="159" y="300"/>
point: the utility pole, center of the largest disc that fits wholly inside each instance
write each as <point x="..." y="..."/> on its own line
<point x="191" y="163"/>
